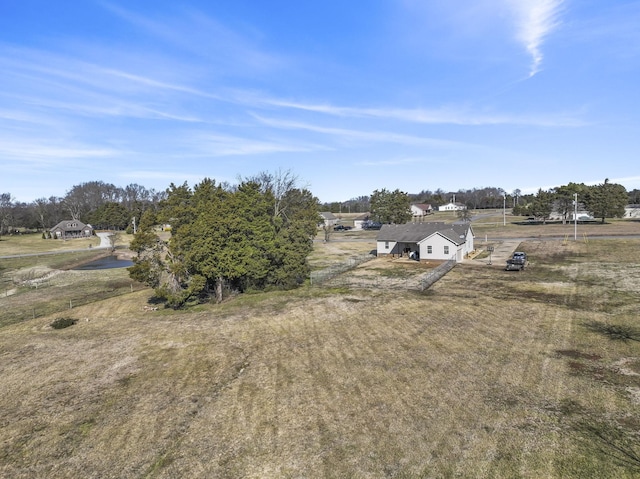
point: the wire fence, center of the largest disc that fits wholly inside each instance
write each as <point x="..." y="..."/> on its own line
<point x="437" y="273"/>
<point x="319" y="278"/>
<point x="376" y="281"/>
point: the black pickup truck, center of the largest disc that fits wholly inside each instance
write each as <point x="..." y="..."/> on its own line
<point x="517" y="262"/>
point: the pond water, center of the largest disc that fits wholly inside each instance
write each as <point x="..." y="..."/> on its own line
<point x="108" y="262"/>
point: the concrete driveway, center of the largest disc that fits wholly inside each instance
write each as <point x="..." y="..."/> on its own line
<point x="104" y="240"/>
<point x="503" y="249"/>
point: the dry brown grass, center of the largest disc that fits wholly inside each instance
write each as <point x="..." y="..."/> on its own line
<point x="489" y="374"/>
<point x="591" y="230"/>
<point x="33" y="244"/>
<point x="35" y="286"/>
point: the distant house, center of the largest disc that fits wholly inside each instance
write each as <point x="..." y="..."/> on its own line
<point x="426" y="241"/>
<point x="632" y="211"/>
<point x="329" y="218"/>
<point x="419" y="210"/>
<point x="359" y="221"/>
<point x="452" y="207"/>
<point x="71" y="229"/>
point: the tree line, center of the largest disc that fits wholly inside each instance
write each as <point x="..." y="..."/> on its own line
<point x="473" y="198"/>
<point x="106" y="206"/>
<point x="103" y="205"/>
<point x="604" y="200"/>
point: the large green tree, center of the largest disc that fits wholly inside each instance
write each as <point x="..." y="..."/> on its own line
<point x="253" y="236"/>
<point x="110" y="215"/>
<point x="390" y="206"/>
<point x="606" y="200"/>
<point x="565" y="196"/>
<point x="542" y="205"/>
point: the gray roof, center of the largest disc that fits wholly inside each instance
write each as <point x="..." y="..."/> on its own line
<point x="71" y="225"/>
<point x="327" y="215"/>
<point x="416" y="232"/>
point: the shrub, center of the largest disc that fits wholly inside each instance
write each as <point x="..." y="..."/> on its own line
<point x="61" y="323"/>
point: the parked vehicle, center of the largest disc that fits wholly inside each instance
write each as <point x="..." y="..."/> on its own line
<point x="517" y="262"/>
<point x="371" y="225"/>
<point x="341" y="228"/>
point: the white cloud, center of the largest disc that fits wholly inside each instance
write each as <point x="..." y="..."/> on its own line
<point x="438" y="116"/>
<point x="392" y="162"/>
<point x="359" y="135"/>
<point x="212" y="145"/>
<point x="535" y="19"/>
<point x="32" y="152"/>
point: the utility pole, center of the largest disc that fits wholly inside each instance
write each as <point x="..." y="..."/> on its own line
<point x="504" y="209"/>
<point x="575" y="216"/>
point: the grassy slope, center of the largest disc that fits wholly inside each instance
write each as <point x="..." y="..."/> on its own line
<point x="489" y="374"/>
<point x="35" y="286"/>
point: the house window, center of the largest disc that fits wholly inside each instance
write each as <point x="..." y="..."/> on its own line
<point x="429" y="249"/>
<point x="386" y="245"/>
<point x="446" y="250"/>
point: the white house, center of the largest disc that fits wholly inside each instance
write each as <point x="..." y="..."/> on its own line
<point x="632" y="211"/>
<point x="427" y="241"/>
<point x="359" y="221"/>
<point x="329" y="218"/>
<point x="419" y="210"/>
<point x="452" y="207"/>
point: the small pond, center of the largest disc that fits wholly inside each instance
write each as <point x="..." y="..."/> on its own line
<point x="108" y="262"/>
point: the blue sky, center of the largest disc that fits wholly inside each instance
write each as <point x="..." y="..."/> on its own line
<point x="351" y="96"/>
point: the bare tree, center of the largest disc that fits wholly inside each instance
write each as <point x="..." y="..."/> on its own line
<point x="516" y="194"/>
<point x="278" y="184"/>
<point x="114" y="237"/>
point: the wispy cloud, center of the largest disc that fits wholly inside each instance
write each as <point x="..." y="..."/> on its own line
<point x="197" y="33"/>
<point x="359" y="135"/>
<point x="535" y="19"/>
<point x="34" y="155"/>
<point x="394" y="162"/>
<point x="214" y="145"/>
<point x="441" y="116"/>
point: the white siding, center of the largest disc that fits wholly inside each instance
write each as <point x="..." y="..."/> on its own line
<point x="437" y="243"/>
<point x="386" y="247"/>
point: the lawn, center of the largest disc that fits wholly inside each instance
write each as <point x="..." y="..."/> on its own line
<point x="487" y="374"/>
<point x="33" y="243"/>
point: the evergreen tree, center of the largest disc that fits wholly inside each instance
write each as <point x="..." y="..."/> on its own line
<point x="148" y="266"/>
<point x="606" y="200"/>
<point x="110" y="216"/>
<point x="245" y="238"/>
<point x="542" y="205"/>
<point x="564" y="198"/>
<point x="390" y="206"/>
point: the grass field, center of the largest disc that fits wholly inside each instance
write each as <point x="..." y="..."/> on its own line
<point x="488" y="374"/>
<point x="33" y="244"/>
